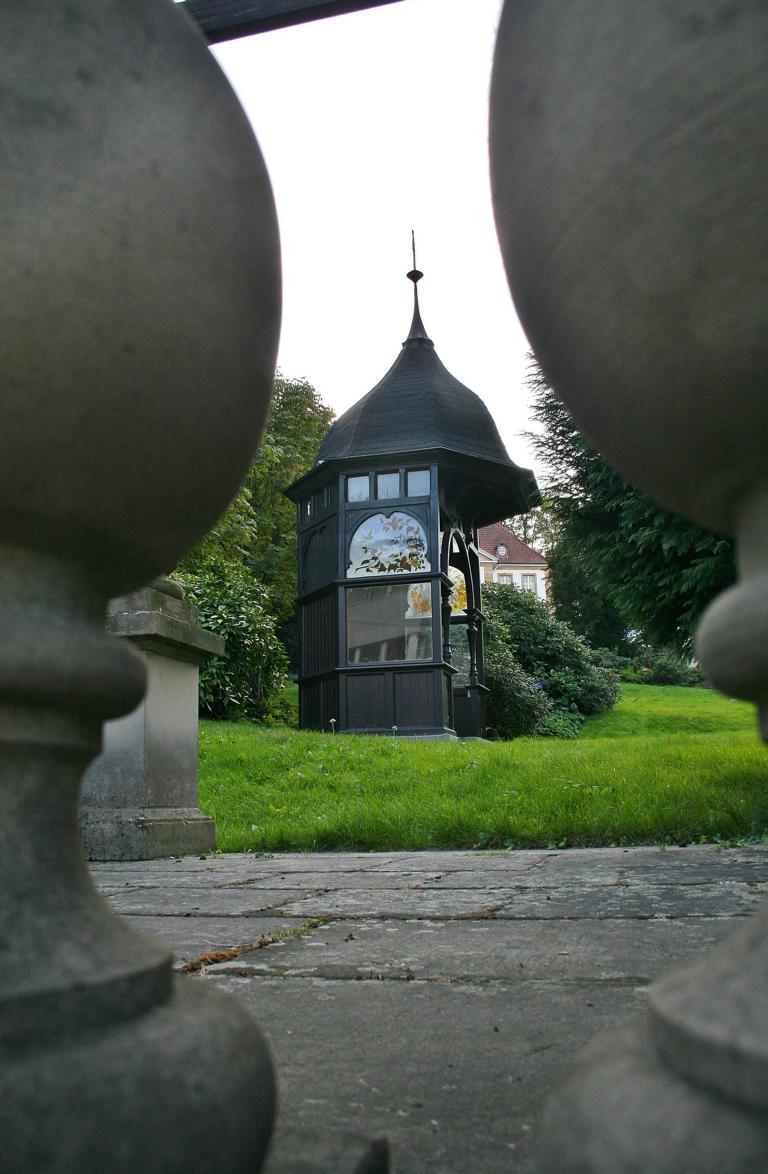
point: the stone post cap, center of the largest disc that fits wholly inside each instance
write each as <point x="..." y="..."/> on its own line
<point x="159" y="622"/>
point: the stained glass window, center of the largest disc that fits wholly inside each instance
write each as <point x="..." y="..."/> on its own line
<point x="394" y="544"/>
<point x="458" y="597"/>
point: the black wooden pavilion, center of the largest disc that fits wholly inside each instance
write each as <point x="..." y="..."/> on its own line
<point x="389" y="574"/>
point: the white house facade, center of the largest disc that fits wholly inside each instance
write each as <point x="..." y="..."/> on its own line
<point x="505" y="559"/>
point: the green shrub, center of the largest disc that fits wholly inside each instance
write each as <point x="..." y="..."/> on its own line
<point x="668" y="669"/>
<point x="660" y="666"/>
<point x="515" y="704"/>
<point x="561" y="723"/>
<point x="633" y="675"/>
<point x="284" y="709"/>
<point x="573" y="677"/>
<point x="608" y="659"/>
<point x="249" y="678"/>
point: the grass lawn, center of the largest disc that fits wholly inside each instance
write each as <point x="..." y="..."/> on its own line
<point x="667" y="765"/>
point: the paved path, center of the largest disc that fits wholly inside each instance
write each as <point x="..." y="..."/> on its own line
<point x="433" y="996"/>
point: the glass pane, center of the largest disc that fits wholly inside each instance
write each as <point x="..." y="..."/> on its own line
<point x="388" y="485"/>
<point x="389" y="623"/>
<point x="358" y="488"/>
<point x="458" y="598"/>
<point x="528" y="583"/>
<point x="460" y="653"/>
<point x="393" y="545"/>
<point x="418" y="482"/>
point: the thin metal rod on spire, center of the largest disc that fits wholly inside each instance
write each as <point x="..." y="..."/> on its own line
<point x="417" y="331"/>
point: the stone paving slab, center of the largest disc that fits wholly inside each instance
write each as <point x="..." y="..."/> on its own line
<point x="235" y="863"/>
<point x="690" y="865"/>
<point x="367" y="881"/>
<point x="412" y="902"/>
<point x="463" y="861"/>
<point x="190" y="937"/>
<point x="487" y="951"/>
<point x="451" y="1074"/>
<point x="444" y="993"/>
<point x="220" y="902"/>
<point x="635" y="898"/>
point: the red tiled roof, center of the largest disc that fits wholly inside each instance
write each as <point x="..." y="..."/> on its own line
<point x="491" y="537"/>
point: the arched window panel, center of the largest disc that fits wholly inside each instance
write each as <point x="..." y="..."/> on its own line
<point x="392" y="622"/>
<point x="388" y="544"/>
<point x="460" y="655"/>
<point x="458" y="597"/>
<point x="318" y="564"/>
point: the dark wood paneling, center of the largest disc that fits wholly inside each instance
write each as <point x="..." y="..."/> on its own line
<point x="319" y="634"/>
<point x="318" y="703"/>
<point x="318" y="558"/>
<point x="369" y="701"/>
<point x="414" y="699"/>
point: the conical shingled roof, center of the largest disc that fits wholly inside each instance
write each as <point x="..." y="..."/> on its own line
<point x="418" y="405"/>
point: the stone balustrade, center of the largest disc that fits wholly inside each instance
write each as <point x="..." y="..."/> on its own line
<point x="629" y="150"/>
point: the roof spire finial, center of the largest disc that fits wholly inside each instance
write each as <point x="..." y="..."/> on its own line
<point x="417" y="330"/>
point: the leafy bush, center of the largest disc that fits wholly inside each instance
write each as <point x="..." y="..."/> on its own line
<point x="573" y="677"/>
<point x="561" y="723"/>
<point x="248" y="680"/>
<point x="660" y="666"/>
<point x="515" y="705"/>
<point x="609" y="659"/>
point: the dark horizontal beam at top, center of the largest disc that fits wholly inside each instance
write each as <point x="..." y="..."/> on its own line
<point x="224" y="20"/>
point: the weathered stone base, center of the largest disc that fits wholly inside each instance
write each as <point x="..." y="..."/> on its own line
<point x="145" y="833"/>
<point x="187" y="1086"/>
<point x="622" y="1111"/>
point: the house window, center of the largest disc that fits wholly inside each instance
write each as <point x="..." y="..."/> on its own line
<point x="505" y="579"/>
<point x="418" y="482"/>
<point x="394" y="544"/>
<point x="358" y="488"/>
<point x="392" y="622"/>
<point x="388" y="485"/>
<point x="501" y="551"/>
<point x="528" y="583"/>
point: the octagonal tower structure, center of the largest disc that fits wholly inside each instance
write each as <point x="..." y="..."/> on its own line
<point x="389" y="577"/>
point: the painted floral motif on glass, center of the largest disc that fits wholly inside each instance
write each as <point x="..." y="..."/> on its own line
<point x="394" y="544"/>
<point x="458" y="598"/>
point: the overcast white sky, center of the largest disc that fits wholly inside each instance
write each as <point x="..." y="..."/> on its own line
<point x="372" y="124"/>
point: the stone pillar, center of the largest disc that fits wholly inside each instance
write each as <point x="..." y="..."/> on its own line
<point x="139" y="315"/>
<point x="140" y="795"/>
<point x="629" y="150"/>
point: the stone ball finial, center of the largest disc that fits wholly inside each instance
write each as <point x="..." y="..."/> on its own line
<point x="629" y="150"/>
<point x="630" y="163"/>
<point x="139" y="314"/>
<point x="120" y="445"/>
